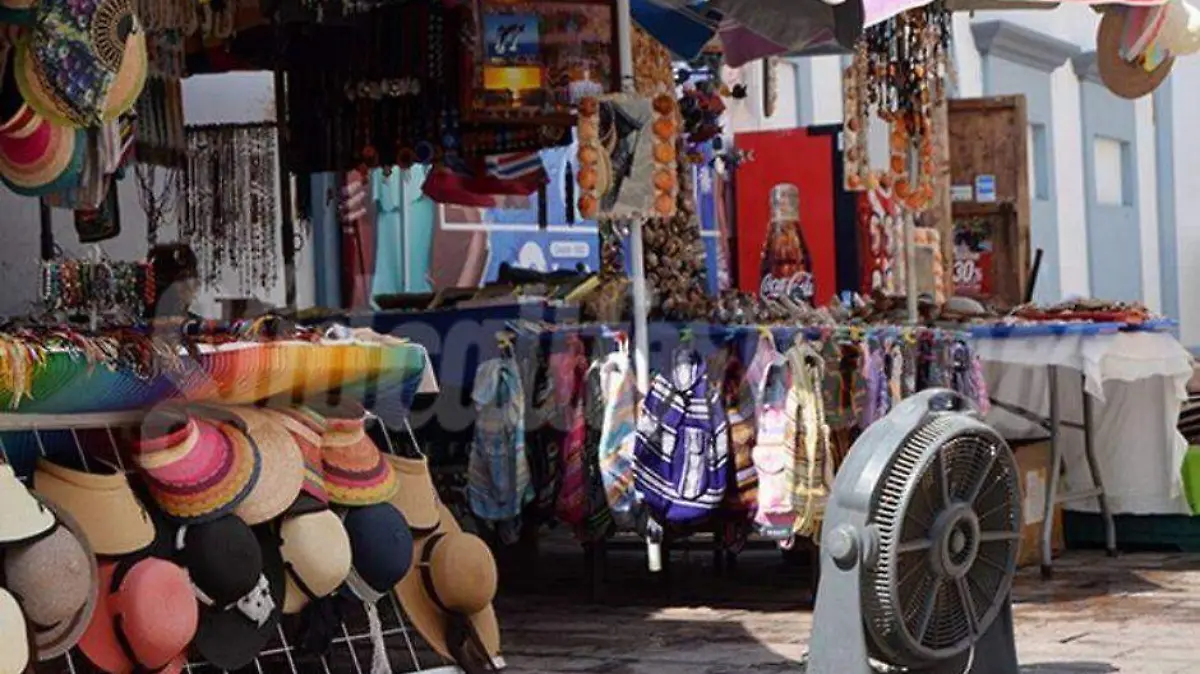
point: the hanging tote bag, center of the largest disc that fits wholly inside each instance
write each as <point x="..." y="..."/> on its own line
<point x="498" y="483"/>
<point x="617" y="437"/>
<point x="814" y="467"/>
<point x="774" y="451"/>
<point x="681" y="455"/>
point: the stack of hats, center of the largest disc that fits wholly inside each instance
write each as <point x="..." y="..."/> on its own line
<point x="49" y="579"/>
<point x="69" y="74"/>
<point x="247" y="514"/>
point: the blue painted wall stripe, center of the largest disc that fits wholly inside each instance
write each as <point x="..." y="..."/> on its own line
<point x="1164" y="159"/>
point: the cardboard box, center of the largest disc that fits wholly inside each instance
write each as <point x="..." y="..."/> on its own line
<point x="1033" y="465"/>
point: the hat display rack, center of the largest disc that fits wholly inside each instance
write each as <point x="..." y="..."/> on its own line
<point x="351" y="644"/>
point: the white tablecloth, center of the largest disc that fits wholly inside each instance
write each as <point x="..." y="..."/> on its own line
<point x="1137" y="380"/>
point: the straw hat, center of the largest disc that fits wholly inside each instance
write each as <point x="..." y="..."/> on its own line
<point x="282" y="473"/>
<point x="57" y="581"/>
<point x="111" y="518"/>
<point x="22" y="517"/>
<point x="151" y="602"/>
<point x="355" y="471"/>
<point x="196" y="470"/>
<point x="317" y="557"/>
<point x="307" y="428"/>
<point x="455" y="575"/>
<point x="105" y="71"/>
<point x="1125" y="78"/>
<point x="14" y="636"/>
<point x="416" y="496"/>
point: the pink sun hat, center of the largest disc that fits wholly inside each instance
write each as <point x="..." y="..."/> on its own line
<point x="145" y="618"/>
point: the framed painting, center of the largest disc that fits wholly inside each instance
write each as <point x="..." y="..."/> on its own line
<point x="533" y="60"/>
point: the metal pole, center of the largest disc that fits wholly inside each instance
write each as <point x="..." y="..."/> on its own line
<point x="641" y="307"/>
<point x="910" y="248"/>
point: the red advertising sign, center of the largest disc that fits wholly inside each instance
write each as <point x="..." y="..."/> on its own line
<point x="973" y="258"/>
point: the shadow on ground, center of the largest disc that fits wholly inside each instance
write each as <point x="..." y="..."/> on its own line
<point x="1069" y="668"/>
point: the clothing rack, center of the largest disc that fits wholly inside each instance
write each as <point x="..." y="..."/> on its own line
<point x="708" y="339"/>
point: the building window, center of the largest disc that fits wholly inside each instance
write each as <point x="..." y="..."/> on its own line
<point x="1039" y="162"/>
<point x="1111" y="164"/>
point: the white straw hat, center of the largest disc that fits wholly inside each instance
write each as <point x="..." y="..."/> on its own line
<point x="14" y="636"/>
<point x="22" y="517"/>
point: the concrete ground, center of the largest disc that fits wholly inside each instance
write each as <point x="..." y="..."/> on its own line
<point x="1138" y="613"/>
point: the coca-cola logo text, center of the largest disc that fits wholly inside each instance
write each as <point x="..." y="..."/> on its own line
<point x="798" y="287"/>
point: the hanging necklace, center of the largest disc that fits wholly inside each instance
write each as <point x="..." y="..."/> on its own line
<point x="155" y="204"/>
<point x="898" y="74"/>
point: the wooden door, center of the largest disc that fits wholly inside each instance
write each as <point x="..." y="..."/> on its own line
<point x="986" y="239"/>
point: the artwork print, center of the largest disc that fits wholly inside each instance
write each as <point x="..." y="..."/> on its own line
<point x="537" y="59"/>
<point x="511" y="38"/>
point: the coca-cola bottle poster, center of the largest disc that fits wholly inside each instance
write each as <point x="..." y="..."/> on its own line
<point x="786" y="262"/>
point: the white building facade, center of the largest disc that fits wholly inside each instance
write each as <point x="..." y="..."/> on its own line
<point x="1113" y="181"/>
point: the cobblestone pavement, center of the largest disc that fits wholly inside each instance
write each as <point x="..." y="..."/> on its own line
<point x="1138" y="614"/>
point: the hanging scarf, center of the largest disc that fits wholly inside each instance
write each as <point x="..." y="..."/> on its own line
<point x="569" y="368"/>
<point x="498" y="471"/>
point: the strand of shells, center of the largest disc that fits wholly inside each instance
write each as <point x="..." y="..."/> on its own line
<point x="675" y="266"/>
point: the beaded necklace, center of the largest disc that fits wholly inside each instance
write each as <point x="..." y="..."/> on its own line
<point x="898" y="73"/>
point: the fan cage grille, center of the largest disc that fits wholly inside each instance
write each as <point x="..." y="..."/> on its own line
<point x="914" y="611"/>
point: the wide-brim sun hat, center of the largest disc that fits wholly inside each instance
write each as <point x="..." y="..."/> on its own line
<point x="111" y="517"/>
<point x="283" y="468"/>
<point x="57" y="581"/>
<point x="454" y="576"/>
<point x="15" y="654"/>
<point x="22" y="517"/>
<point x="1123" y="77"/>
<point x="196" y="470"/>
<point x="145" y="618"/>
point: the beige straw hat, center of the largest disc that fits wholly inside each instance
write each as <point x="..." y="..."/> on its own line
<point x="22" y="517"/>
<point x="57" y="581"/>
<point x="316" y="555"/>
<point x="109" y="515"/>
<point x="454" y="573"/>
<point x="282" y="473"/>
<point x="416" y="498"/>
<point x="14" y="636"/>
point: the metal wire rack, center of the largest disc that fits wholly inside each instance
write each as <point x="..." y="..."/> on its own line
<point x="351" y="650"/>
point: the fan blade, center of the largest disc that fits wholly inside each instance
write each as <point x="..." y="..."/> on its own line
<point x="968" y="605"/>
<point x="927" y="610"/>
<point x="943" y="479"/>
<point x="994" y="536"/>
<point x="915" y="545"/>
<point x="981" y="480"/>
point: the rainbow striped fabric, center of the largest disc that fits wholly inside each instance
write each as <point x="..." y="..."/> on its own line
<point x="66" y="382"/>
